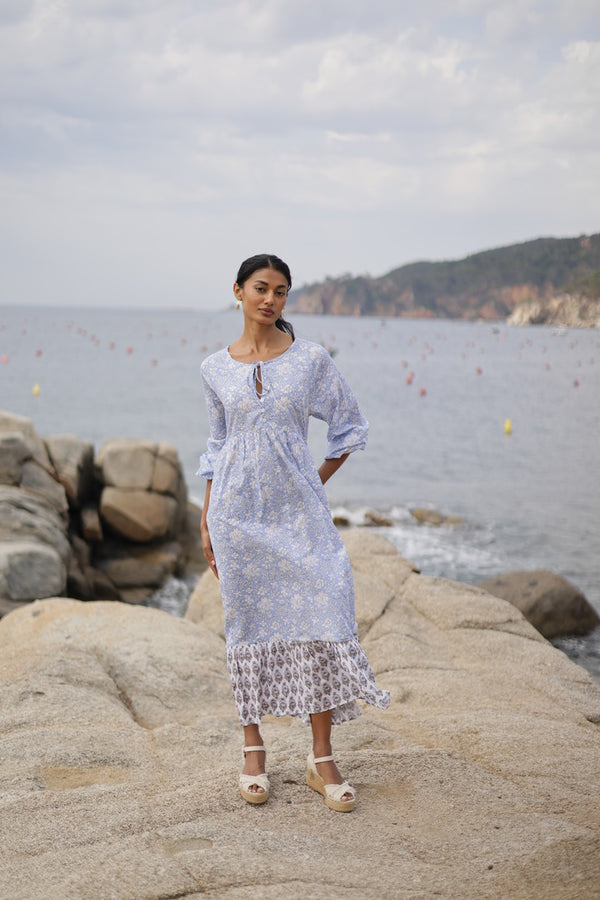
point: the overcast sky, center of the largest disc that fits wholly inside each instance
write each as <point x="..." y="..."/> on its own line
<point x="147" y="147"/>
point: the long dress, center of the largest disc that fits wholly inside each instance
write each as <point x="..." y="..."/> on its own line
<point x="292" y="642"/>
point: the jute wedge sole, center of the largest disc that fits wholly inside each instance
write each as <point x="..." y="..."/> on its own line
<point x="332" y="793"/>
<point x="246" y="782"/>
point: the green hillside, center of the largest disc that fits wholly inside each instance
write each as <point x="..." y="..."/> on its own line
<point x="485" y="285"/>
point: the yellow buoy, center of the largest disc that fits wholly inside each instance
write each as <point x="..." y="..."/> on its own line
<point x="507" y="426"/>
<point x="36" y="390"/>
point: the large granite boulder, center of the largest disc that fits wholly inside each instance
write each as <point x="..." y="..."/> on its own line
<point x="27" y="516"/>
<point x="73" y="461"/>
<point x="139" y="464"/>
<point x="205" y="606"/>
<point x="139" y="516"/>
<point x="550" y="602"/>
<point x="11" y="422"/>
<point x="24" y="461"/>
<point x="140" y="566"/>
<point x="126" y="463"/>
<point x="14" y="450"/>
<point x="120" y="752"/>
<point x="28" y="570"/>
<point x="144" y="497"/>
<point x="195" y="563"/>
<point x="34" y="546"/>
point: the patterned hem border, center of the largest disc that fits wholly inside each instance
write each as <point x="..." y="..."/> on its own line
<point x="297" y="678"/>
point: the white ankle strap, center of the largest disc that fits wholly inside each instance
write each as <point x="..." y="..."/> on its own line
<point x="249" y="749"/>
<point x="324" y="759"/>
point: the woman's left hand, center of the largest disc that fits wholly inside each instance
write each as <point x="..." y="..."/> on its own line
<point x="207" y="549"/>
<point x="330" y="466"/>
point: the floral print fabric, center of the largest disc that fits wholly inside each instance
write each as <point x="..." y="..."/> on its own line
<point x="285" y="576"/>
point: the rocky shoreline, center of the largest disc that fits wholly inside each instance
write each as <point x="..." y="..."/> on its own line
<point x="120" y="748"/>
<point x="117" y="524"/>
<point x="119" y="742"/>
<point x="563" y="310"/>
<point x="111" y="525"/>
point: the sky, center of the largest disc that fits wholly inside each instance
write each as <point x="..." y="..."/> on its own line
<point x="148" y="147"/>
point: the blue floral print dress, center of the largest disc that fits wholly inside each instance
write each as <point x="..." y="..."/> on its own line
<point x="286" y="582"/>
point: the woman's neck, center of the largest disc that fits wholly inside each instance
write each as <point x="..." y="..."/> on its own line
<point x="258" y="342"/>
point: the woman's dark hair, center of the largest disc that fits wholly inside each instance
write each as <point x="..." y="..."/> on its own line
<point x="267" y="261"/>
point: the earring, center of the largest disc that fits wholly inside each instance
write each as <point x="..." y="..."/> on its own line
<point x="238" y="303"/>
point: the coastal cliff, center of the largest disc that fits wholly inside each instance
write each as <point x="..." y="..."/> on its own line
<point x="549" y="280"/>
<point x="120" y="751"/>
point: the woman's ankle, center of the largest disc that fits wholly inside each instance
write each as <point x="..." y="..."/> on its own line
<point x="322" y="749"/>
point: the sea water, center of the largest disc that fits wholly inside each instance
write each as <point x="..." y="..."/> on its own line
<point x="437" y="394"/>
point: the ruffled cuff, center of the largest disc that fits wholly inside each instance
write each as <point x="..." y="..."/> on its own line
<point x="348" y="442"/>
<point x="206" y="466"/>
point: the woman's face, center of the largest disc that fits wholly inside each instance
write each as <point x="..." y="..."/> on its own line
<point x="263" y="295"/>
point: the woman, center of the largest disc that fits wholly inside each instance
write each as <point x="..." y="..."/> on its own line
<point x="268" y="535"/>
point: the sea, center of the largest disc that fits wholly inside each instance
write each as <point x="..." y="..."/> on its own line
<point x="496" y="425"/>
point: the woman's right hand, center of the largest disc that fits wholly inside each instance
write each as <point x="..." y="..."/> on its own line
<point x="207" y="548"/>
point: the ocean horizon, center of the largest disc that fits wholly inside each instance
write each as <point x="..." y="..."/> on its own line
<point x="437" y="394"/>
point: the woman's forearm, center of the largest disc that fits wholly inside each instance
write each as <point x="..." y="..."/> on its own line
<point x="330" y="466"/>
<point x="204" y="534"/>
<point x="206" y="502"/>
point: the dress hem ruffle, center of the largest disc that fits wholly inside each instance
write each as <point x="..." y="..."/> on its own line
<point x="297" y="678"/>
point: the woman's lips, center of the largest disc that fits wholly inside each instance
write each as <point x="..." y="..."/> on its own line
<point x="265" y="312"/>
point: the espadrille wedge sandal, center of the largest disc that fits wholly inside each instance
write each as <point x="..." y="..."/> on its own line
<point x="332" y="793"/>
<point x="247" y="781"/>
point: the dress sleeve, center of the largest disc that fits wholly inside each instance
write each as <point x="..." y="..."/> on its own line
<point x="218" y="432"/>
<point x="333" y="401"/>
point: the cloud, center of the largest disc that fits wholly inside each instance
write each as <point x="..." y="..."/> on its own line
<point x="358" y="134"/>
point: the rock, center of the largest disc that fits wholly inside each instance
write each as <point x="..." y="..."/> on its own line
<point x="121" y="748"/>
<point x="551" y="603"/>
<point x="25" y="516"/>
<point x="195" y="563"/>
<point x="78" y="585"/>
<point x="433" y="517"/>
<point x="8" y="606"/>
<point x="73" y="460"/>
<point x="126" y="463"/>
<point x="24" y="461"/>
<point x="10" y="422"/>
<point x="205" y="606"/>
<point x="136" y="596"/>
<point x="132" y="566"/>
<point x="138" y="515"/>
<point x="38" y="480"/>
<point x="567" y="309"/>
<point x="91" y="526"/>
<point x="166" y="476"/>
<point x="374" y="590"/>
<point x="34" y="548"/>
<point x="14" y="450"/>
<point x="375" y="518"/>
<point x="429" y="516"/>
<point x="341" y="521"/>
<point x="29" y="571"/>
<point x="100" y="585"/>
<point x="84" y="581"/>
<point x="81" y="551"/>
<point x="140" y="465"/>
